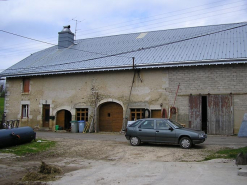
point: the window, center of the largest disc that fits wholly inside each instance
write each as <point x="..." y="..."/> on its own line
<point x="161" y="124"/>
<point x="135" y="123"/>
<point x="26" y="85"/>
<point x="136" y="114"/>
<point x="24" y="111"/>
<point x="148" y="124"/>
<point x="82" y="114"/>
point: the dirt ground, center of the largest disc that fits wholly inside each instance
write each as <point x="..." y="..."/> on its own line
<point x="71" y="155"/>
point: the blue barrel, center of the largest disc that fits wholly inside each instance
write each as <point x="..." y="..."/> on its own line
<point x="81" y="125"/>
<point x="16" y="136"/>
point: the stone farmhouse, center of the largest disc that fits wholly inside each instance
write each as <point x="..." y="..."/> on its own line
<point x="196" y="76"/>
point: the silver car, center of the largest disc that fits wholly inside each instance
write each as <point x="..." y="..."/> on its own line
<point x="161" y="130"/>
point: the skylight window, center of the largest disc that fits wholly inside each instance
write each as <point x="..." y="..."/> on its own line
<point x="142" y="35"/>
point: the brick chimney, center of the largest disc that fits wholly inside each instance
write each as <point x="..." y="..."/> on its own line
<point x="65" y="38"/>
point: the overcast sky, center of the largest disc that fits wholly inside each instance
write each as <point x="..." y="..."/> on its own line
<point x="43" y="19"/>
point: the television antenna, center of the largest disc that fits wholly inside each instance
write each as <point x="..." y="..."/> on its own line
<point x="76" y="21"/>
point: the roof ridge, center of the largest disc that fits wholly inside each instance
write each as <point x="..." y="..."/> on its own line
<point x="171" y="29"/>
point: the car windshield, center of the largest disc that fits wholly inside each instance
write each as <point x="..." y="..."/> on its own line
<point x="135" y="123"/>
<point x="175" y="124"/>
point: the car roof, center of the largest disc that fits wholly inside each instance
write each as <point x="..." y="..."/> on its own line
<point x="154" y="118"/>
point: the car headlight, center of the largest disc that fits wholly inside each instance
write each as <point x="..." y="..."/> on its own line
<point x="201" y="135"/>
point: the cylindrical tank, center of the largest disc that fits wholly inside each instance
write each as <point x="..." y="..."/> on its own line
<point x="16" y="136"/>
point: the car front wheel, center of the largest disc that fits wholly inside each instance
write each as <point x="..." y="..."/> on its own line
<point x="135" y="141"/>
<point x="185" y="143"/>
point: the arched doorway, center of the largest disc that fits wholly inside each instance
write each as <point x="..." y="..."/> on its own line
<point x="110" y="117"/>
<point x="63" y="119"/>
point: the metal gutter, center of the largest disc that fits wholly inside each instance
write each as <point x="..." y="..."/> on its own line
<point x="137" y="66"/>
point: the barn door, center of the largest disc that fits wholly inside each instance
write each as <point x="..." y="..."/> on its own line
<point x="110" y="117"/>
<point x="220" y="114"/>
<point x="195" y="115"/>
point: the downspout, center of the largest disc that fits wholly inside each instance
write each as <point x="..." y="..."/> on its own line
<point x="125" y="122"/>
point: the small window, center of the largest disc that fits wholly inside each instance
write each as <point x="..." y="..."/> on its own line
<point x="161" y="124"/>
<point x="136" y="114"/>
<point x="148" y="124"/>
<point x="26" y="85"/>
<point x="82" y="114"/>
<point x="24" y="111"/>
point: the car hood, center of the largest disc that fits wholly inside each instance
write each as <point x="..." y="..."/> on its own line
<point x="192" y="130"/>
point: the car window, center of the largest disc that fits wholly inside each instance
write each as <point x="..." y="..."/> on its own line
<point x="147" y="124"/>
<point x="162" y="124"/>
<point x="175" y="124"/>
<point x="135" y="123"/>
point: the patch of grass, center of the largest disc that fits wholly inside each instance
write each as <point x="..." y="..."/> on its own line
<point x="29" y="148"/>
<point x="1" y="107"/>
<point x="227" y="153"/>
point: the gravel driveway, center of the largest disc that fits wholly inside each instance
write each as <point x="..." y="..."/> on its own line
<point x="109" y="158"/>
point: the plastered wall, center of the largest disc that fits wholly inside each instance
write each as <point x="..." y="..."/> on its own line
<point x="151" y="89"/>
<point x="73" y="91"/>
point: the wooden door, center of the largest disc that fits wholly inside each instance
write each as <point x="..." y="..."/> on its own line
<point x="195" y="114"/>
<point x="46" y="115"/>
<point x="110" y="117"/>
<point x="60" y="118"/>
<point x="220" y="114"/>
<point x="156" y="113"/>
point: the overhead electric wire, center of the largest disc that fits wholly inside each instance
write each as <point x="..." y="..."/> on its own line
<point x="144" y="31"/>
<point x="158" y="19"/>
<point x="169" y="13"/>
<point x="137" y="50"/>
<point x="53" y="38"/>
<point x="33" y="50"/>
<point x="43" y="42"/>
<point x="117" y="32"/>
<point x="51" y="43"/>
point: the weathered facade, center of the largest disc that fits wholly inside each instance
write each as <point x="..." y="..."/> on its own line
<point x="77" y="91"/>
<point x="205" y="91"/>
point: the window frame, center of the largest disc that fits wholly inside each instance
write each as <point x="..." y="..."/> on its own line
<point x="24" y="111"/>
<point x="82" y="111"/>
<point x="135" y="112"/>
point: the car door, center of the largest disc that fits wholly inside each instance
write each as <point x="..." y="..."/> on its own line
<point x="163" y="134"/>
<point x="146" y="131"/>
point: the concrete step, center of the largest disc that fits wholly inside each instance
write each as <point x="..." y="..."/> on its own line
<point x="242" y="170"/>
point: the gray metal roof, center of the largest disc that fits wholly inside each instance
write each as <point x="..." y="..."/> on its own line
<point x="205" y="45"/>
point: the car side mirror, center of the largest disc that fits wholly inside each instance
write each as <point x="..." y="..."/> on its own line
<point x="170" y="128"/>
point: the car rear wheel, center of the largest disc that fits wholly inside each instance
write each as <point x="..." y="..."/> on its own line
<point x="135" y="141"/>
<point x="185" y="143"/>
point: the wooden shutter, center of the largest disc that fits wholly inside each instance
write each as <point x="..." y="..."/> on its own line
<point x="26" y="83"/>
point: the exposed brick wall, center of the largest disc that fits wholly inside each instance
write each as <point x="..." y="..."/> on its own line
<point x="214" y="79"/>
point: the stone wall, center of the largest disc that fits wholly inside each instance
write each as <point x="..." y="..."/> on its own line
<point x="73" y="91"/>
<point x="151" y="88"/>
<point x="215" y="79"/>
